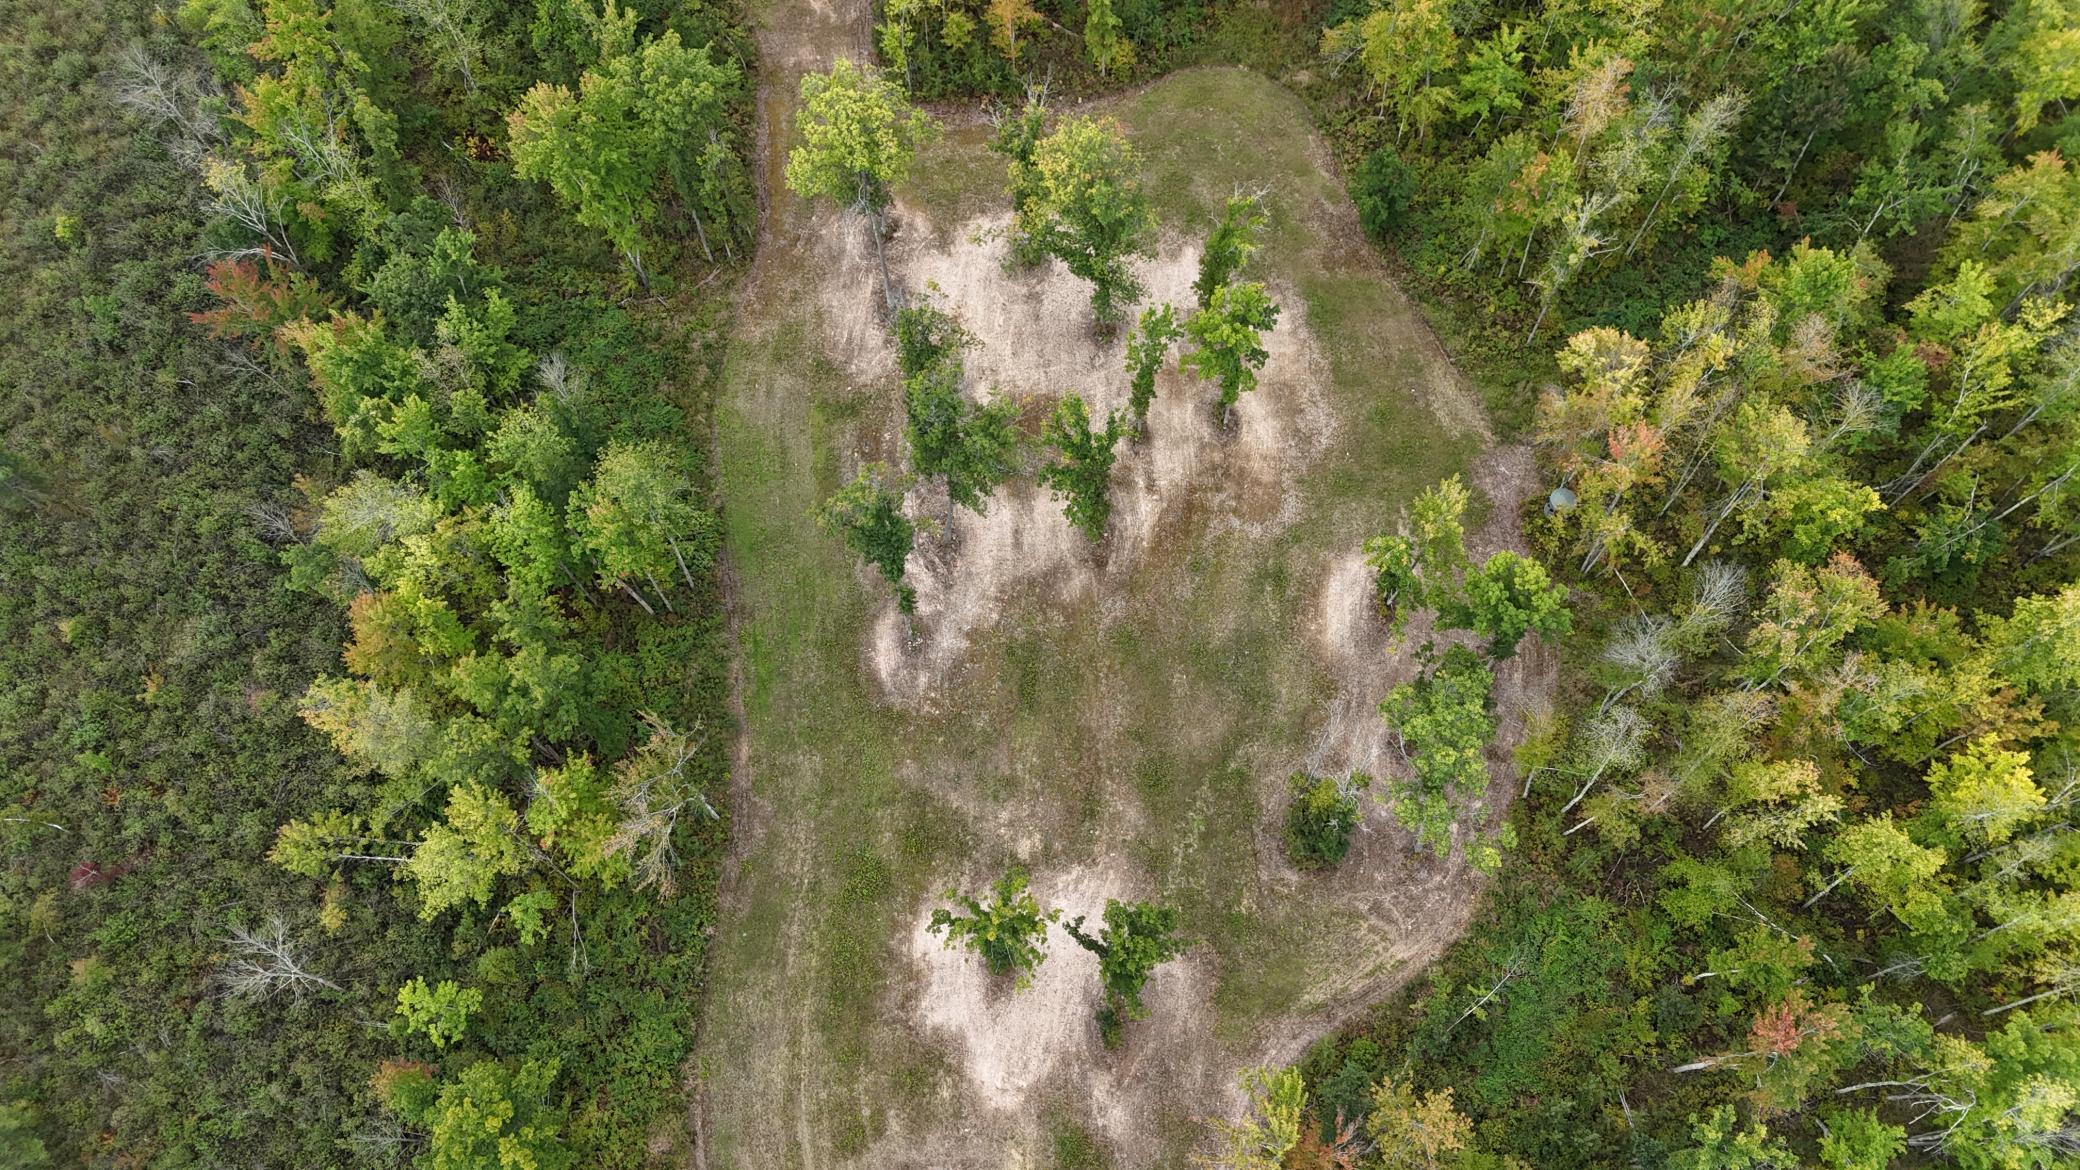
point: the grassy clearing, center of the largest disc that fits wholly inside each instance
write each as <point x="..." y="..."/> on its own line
<point x="1138" y="733"/>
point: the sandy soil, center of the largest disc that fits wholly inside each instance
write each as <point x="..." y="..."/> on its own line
<point x="1407" y="906"/>
<point x="1034" y="343"/>
<point x="1013" y="1041"/>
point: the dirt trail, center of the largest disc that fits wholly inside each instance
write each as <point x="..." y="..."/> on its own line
<point x="795" y="38"/>
<point x="1119" y="721"/>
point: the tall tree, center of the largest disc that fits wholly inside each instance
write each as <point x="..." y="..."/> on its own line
<point x="654" y="786"/>
<point x="1009" y="20"/>
<point x="639" y="117"/>
<point x="1687" y="172"/>
<point x="490" y="1115"/>
<point x="1403" y="45"/>
<point x="441" y="1011"/>
<point x="1105" y="39"/>
<point x="859" y="138"/>
<point x="462" y="858"/>
<point x="456" y="31"/>
<point x="1415" y="1131"/>
<point x="1509" y="596"/>
<point x="1090" y="211"/>
<point x="1229" y="247"/>
<point x="1081" y="472"/>
<point x="637" y="517"/>
<point x="1227" y="338"/>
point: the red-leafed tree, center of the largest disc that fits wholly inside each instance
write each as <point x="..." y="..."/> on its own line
<point x="258" y="298"/>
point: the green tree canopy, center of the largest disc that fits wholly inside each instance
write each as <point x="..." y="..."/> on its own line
<point x="1442" y="720"/>
<point x="867" y="514"/>
<point x="491" y="1116"/>
<point x="1105" y="39"/>
<point x="859" y="137"/>
<point x="639" y="118"/>
<point x="1509" y="596"/>
<point x="1146" y="350"/>
<point x="1270" y="1128"/>
<point x="970" y="446"/>
<point x="441" y="1011"/>
<point x="637" y="518"/>
<point x="1009" y="931"/>
<point x="462" y="858"/>
<point x="1227" y="336"/>
<point x="1017" y="138"/>
<point x="1089" y="210"/>
<point x="1137" y="938"/>
<point x="1081" y="472"/>
<point x="1229" y="247"/>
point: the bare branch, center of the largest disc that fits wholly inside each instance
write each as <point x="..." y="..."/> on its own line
<point x="266" y="961"/>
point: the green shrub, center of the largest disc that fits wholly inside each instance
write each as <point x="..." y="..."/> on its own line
<point x="1382" y="187"/>
<point x="1321" y="818"/>
<point x="1009" y="931"/>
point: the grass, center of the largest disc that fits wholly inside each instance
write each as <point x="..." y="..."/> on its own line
<point x="1075" y="1148"/>
<point x="1141" y="730"/>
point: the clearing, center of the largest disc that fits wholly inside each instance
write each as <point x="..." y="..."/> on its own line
<point x="1120" y="720"/>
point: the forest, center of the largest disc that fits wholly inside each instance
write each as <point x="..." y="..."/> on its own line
<point x="364" y="673"/>
<point x="467" y="469"/>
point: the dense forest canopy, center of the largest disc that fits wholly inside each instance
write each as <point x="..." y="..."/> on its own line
<point x="364" y="675"/>
<point x="363" y="683"/>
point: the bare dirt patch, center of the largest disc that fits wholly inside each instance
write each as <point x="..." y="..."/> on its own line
<point x="1017" y="1043"/>
<point x="1401" y="905"/>
<point x="1035" y="341"/>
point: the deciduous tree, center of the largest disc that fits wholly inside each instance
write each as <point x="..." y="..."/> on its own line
<point x="1105" y="40"/>
<point x="637" y="518"/>
<point x="461" y="858"/>
<point x="440" y="1011"/>
<point x="640" y="116"/>
<point x="1008" y="20"/>
<point x="653" y="787"/>
<point x="1269" y="1129"/>
<point x="1009" y="931"/>
<point x="1442" y="724"/>
<point x="490" y="1115"/>
<point x="867" y="514"/>
<point x="1090" y="212"/>
<point x="1415" y="1131"/>
<point x="1080" y="474"/>
<point x="1509" y="596"/>
<point x="970" y="446"/>
<point x="1017" y="138"/>
<point x="1146" y="350"/>
<point x="1137" y="938"/>
<point x="1230" y="246"/>
<point x="859" y="137"/>
<point x="1402" y="45"/>
<point x="1227" y="339"/>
